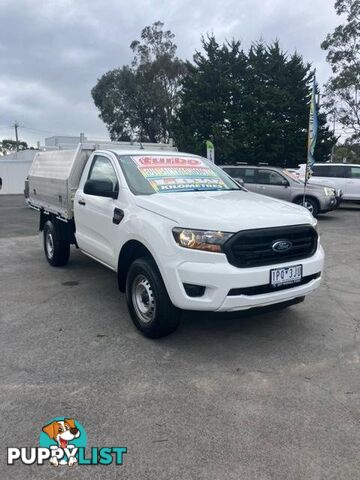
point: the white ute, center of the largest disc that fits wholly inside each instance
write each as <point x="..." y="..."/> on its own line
<point x="179" y="232"/>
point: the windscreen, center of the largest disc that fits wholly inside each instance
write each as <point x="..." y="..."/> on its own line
<point x="151" y="174"/>
<point x="291" y="175"/>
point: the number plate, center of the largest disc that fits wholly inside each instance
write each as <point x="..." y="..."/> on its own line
<point x="285" y="275"/>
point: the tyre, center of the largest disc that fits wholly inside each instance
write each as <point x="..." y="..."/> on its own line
<point x="310" y="204"/>
<point x="57" y="251"/>
<point x="148" y="301"/>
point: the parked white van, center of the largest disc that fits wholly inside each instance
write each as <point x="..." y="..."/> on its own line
<point x="341" y="176"/>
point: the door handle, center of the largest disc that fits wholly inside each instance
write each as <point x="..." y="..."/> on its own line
<point x="81" y="202"/>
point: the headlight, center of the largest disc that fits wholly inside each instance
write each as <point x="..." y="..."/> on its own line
<point x="208" y="240"/>
<point x="329" y="191"/>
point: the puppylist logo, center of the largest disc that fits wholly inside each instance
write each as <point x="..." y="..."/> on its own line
<point x="62" y="442"/>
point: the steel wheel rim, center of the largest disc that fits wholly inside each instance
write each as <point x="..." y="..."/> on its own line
<point x="143" y="299"/>
<point x="49" y="244"/>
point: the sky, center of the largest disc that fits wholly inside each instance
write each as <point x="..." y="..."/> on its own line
<point x="53" y="51"/>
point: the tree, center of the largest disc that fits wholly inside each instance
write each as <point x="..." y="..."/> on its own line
<point x="138" y="101"/>
<point x="9" y="146"/>
<point x="254" y="105"/>
<point x="343" y="54"/>
<point x="347" y="152"/>
<point x="279" y="113"/>
<point x="212" y="100"/>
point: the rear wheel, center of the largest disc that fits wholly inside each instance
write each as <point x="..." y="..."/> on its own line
<point x="149" y="304"/>
<point x="310" y="204"/>
<point x="57" y="251"/>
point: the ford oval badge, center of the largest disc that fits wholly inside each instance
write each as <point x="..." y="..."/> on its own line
<point x="281" y="246"/>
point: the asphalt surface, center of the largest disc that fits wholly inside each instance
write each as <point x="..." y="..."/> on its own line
<point x="267" y="396"/>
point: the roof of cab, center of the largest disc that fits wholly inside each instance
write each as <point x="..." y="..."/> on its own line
<point x="133" y="152"/>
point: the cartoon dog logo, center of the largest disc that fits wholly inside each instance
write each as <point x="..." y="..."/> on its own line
<point x="62" y="431"/>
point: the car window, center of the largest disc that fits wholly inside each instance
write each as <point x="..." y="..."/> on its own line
<point x="332" y="171"/>
<point x="339" y="171"/>
<point x="235" y="172"/>
<point x="230" y="171"/>
<point x="292" y="175"/>
<point x="238" y="173"/>
<point x="247" y="174"/>
<point x="269" y="177"/>
<point x="102" y="169"/>
<point x="355" y="172"/>
<point x="321" y="170"/>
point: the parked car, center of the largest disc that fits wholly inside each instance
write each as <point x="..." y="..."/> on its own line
<point x="179" y="232"/>
<point x="342" y="176"/>
<point x="279" y="183"/>
<point x="338" y="191"/>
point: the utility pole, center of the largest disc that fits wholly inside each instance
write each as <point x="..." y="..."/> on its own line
<point x="334" y="129"/>
<point x="16" y="126"/>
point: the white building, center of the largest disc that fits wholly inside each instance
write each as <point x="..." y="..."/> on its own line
<point x="14" y="169"/>
<point x="64" y="142"/>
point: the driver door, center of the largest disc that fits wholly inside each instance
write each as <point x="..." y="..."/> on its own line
<point x="95" y="230"/>
<point x="271" y="183"/>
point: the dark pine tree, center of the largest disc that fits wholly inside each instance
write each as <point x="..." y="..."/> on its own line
<point x="212" y="98"/>
<point x="279" y="116"/>
<point x="254" y="107"/>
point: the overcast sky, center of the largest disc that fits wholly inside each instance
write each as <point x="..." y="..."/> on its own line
<point x="53" y="51"/>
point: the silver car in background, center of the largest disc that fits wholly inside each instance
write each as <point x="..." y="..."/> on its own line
<point x="279" y="183"/>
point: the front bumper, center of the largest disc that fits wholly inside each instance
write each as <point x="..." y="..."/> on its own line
<point x="328" y="203"/>
<point x="339" y="197"/>
<point x="219" y="277"/>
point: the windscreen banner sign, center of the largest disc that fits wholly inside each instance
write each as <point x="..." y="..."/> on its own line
<point x="178" y="174"/>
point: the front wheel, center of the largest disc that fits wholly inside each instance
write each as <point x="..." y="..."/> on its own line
<point x="57" y="251"/>
<point x="148" y="301"/>
<point x="310" y="204"/>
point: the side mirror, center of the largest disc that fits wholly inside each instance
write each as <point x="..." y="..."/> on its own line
<point x="100" y="188"/>
<point x="240" y="181"/>
<point x="284" y="183"/>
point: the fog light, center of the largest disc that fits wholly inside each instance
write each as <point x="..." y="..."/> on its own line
<point x="194" y="290"/>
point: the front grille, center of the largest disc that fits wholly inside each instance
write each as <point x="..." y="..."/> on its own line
<point x="260" y="289"/>
<point x="253" y="248"/>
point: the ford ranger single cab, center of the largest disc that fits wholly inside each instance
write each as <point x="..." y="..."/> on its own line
<point x="179" y="232"/>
